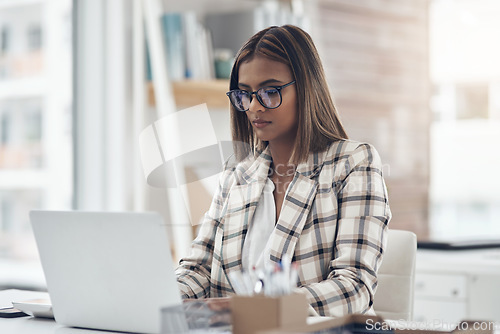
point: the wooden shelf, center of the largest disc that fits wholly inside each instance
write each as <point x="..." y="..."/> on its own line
<point x="193" y="92"/>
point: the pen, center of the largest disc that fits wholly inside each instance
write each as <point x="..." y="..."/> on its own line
<point x="294" y="275"/>
<point x="285" y="268"/>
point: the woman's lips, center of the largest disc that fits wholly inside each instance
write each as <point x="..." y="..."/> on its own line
<point x="260" y="123"/>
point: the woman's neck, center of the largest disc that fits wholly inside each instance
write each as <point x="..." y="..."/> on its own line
<point x="281" y="154"/>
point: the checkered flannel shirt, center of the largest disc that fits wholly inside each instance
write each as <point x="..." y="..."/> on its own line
<point x="333" y="223"/>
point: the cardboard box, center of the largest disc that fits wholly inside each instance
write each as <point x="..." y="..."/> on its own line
<point x="253" y="314"/>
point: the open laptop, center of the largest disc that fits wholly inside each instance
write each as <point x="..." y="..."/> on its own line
<point x="106" y="270"/>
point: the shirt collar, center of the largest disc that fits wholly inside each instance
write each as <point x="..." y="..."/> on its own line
<point x="257" y="168"/>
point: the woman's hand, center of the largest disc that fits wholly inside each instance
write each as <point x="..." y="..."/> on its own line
<point x="219" y="304"/>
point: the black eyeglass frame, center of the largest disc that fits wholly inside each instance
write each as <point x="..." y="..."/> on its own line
<point x="278" y="88"/>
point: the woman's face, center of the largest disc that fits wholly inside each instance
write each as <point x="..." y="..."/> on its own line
<point x="273" y="125"/>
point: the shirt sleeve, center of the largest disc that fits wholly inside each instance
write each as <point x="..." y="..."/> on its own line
<point x="362" y="219"/>
<point x="194" y="271"/>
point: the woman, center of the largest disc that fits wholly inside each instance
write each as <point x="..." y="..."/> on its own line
<point x="301" y="189"/>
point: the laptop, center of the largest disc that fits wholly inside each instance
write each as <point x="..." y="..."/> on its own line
<point x="106" y="270"/>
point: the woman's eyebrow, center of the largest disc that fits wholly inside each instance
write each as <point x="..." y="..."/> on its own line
<point x="269" y="81"/>
<point x="262" y="84"/>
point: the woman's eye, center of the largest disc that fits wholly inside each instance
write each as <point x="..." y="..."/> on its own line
<point x="271" y="91"/>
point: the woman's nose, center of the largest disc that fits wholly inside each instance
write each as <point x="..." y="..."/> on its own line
<point x="255" y="105"/>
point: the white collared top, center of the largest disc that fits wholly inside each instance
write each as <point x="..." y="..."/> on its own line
<point x="255" y="248"/>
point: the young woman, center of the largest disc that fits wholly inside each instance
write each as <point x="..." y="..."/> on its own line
<point x="300" y="190"/>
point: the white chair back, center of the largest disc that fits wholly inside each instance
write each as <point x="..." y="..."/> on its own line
<point x="396" y="276"/>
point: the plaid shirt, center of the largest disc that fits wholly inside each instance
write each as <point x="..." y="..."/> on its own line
<point x="333" y="223"/>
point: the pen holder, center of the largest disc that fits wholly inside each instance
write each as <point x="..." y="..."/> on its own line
<point x="254" y="313"/>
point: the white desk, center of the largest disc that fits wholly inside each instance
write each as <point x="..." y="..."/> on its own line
<point x="456" y="285"/>
<point x="30" y="325"/>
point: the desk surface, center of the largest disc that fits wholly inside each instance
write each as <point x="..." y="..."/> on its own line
<point x="484" y="261"/>
<point x="39" y="326"/>
<point x="33" y="325"/>
<point x="29" y="324"/>
<point x="46" y="326"/>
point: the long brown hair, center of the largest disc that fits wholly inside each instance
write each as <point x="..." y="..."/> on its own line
<point x="318" y="121"/>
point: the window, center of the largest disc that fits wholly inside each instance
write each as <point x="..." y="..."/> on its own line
<point x="34" y="37"/>
<point x="35" y="119"/>
<point x="465" y="201"/>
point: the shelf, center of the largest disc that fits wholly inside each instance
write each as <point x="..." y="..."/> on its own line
<point x="213" y="6"/>
<point x="193" y="92"/>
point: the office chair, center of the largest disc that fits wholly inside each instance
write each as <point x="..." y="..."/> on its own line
<point x="394" y="296"/>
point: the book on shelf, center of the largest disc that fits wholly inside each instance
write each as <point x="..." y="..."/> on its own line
<point x="191" y="40"/>
<point x="188" y="46"/>
<point x="172" y="29"/>
<point x="199" y="49"/>
<point x="231" y="29"/>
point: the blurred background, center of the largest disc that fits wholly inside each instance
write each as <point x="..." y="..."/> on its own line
<point x="79" y="81"/>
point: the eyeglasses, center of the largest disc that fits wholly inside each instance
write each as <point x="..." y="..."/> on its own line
<point x="268" y="97"/>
